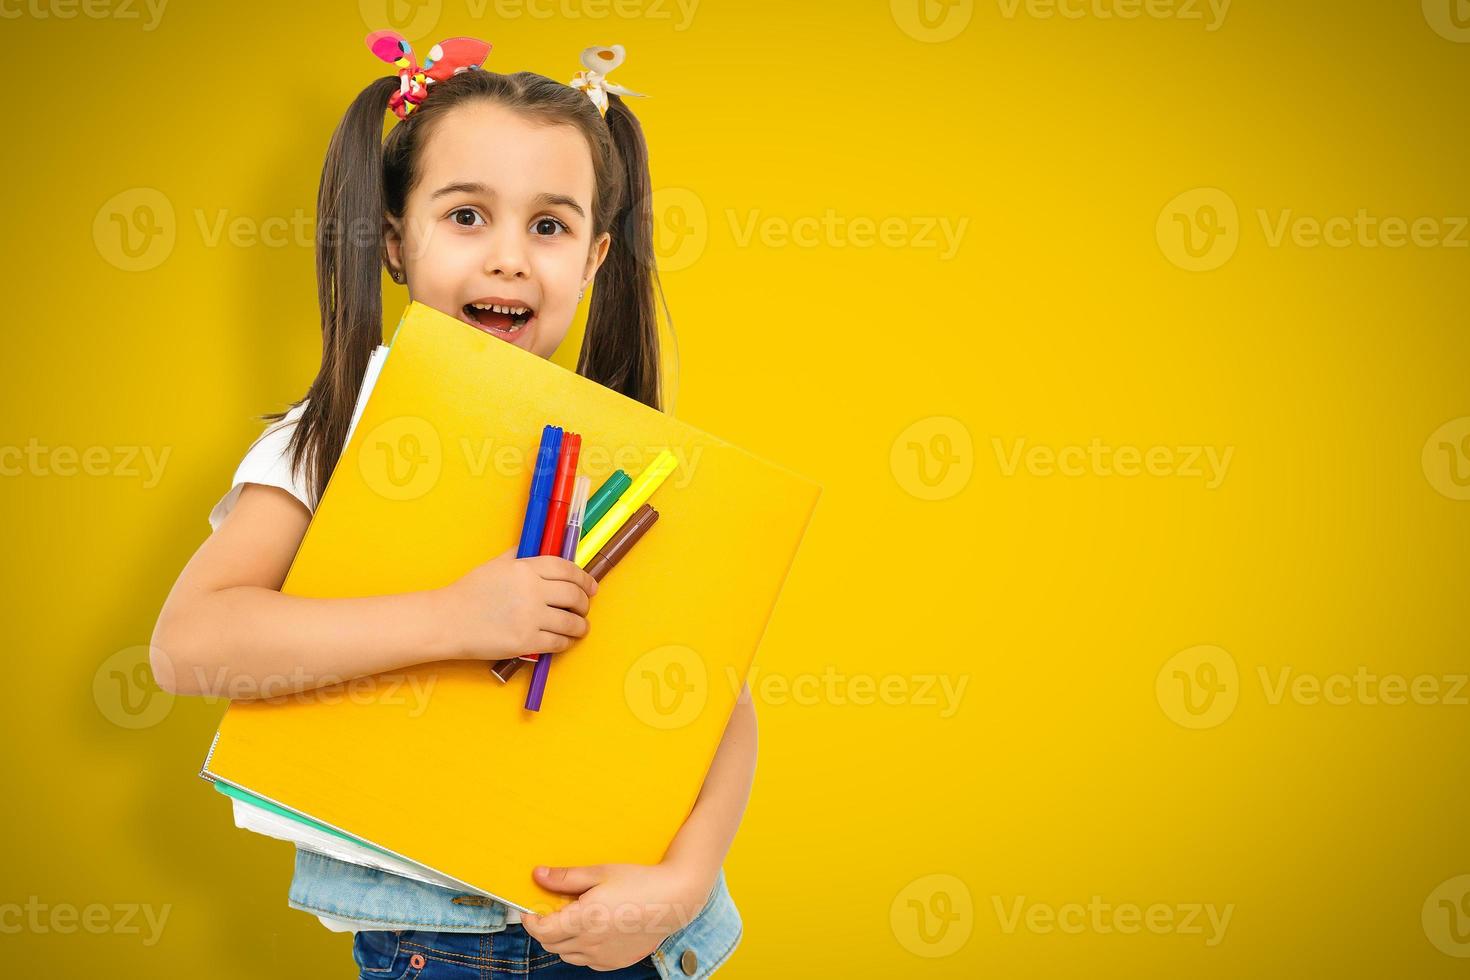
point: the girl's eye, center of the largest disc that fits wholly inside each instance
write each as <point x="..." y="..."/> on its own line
<point x="457" y="212"/>
<point x="548" y="227"/>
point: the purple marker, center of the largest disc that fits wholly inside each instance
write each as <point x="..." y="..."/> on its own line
<point x="580" y="492"/>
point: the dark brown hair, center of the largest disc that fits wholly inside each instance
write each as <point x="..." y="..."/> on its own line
<point x="367" y="175"/>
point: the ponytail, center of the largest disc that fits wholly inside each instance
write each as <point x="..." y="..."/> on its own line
<point x="349" y="243"/>
<point x="621" y="348"/>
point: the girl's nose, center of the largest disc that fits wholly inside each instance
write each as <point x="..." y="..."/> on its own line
<point x="507" y="255"/>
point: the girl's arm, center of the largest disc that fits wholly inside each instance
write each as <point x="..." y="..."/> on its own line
<point x="700" y="846"/>
<point x="227" y="630"/>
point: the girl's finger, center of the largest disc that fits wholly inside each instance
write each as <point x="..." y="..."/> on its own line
<point x="548" y="642"/>
<point x="558" y="927"/>
<point x="559" y="569"/>
<point x="571" y="625"/>
<point x="565" y="595"/>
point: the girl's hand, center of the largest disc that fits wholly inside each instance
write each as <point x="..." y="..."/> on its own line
<point x="622" y="914"/>
<point x="510" y="606"/>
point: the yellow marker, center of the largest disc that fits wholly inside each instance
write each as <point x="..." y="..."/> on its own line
<point x="636" y="496"/>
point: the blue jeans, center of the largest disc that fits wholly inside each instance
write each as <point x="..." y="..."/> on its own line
<point x="509" y="955"/>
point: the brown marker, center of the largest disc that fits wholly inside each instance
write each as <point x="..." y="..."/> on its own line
<point x="603" y="562"/>
<point x="622" y="542"/>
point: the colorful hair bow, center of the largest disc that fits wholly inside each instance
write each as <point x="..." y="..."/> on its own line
<point x="593" y="81"/>
<point x="446" y="59"/>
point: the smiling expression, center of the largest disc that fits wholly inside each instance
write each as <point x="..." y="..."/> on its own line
<point x="497" y="230"/>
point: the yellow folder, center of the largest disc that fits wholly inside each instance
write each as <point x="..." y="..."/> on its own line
<point x="435" y="764"/>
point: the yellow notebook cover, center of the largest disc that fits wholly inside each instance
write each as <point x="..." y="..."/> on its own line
<point x="432" y="764"/>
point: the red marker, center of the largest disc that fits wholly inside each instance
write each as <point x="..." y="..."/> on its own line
<point x="561" y="494"/>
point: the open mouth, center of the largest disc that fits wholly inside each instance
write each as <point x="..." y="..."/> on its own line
<point x="502" y="319"/>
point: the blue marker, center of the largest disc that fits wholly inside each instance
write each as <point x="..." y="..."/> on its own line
<point x="541" y="481"/>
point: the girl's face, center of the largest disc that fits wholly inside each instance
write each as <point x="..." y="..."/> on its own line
<point x="498" y="229"/>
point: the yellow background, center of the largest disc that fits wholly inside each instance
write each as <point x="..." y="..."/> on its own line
<point x="883" y="839"/>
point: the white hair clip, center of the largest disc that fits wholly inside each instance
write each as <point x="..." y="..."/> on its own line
<point x="593" y="81"/>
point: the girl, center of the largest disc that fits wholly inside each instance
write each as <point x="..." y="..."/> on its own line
<point x="496" y="199"/>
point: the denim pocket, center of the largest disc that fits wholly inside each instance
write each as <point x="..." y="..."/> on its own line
<point x="376" y="953"/>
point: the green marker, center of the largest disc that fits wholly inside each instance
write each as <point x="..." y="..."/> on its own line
<point x="607" y="495"/>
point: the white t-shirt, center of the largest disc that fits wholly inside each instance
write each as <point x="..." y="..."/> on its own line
<point x="268" y="462"/>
